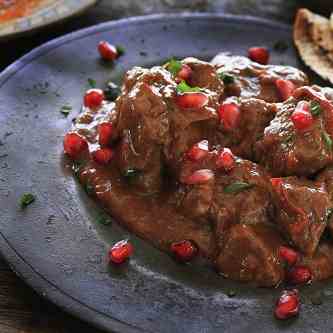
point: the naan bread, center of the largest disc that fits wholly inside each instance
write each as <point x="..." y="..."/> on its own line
<point x="313" y="37"/>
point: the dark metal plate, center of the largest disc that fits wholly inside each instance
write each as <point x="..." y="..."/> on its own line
<point x="56" y="246"/>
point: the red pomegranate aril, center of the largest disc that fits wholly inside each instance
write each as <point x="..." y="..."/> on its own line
<point x="103" y="156"/>
<point x="191" y="100"/>
<point x="184" y="250"/>
<point x="184" y="73"/>
<point x="199" y="151"/>
<point x="199" y="177"/>
<point x="259" y="54"/>
<point x="93" y="98"/>
<point x="75" y="145"/>
<point x="120" y="252"/>
<point x="225" y="159"/>
<point x="287" y="305"/>
<point x="107" y="51"/>
<point x="285" y="88"/>
<point x="276" y="183"/>
<point x="229" y="115"/>
<point x="299" y="275"/>
<point x="288" y="255"/>
<point x="301" y="119"/>
<point x="105" y="131"/>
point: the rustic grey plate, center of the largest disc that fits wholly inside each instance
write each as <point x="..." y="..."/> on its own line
<point x="45" y="13"/>
<point x="57" y="247"/>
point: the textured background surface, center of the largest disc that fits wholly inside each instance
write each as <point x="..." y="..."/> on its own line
<point x="21" y="310"/>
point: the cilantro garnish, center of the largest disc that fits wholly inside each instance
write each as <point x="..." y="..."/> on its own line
<point x="183" y="87"/>
<point x="120" y="50"/>
<point x="315" y="108"/>
<point x="104" y="219"/>
<point x="174" y="66"/>
<point x="327" y="140"/>
<point x="226" y="78"/>
<point x="26" y="199"/>
<point x="237" y="187"/>
<point x="65" y="110"/>
<point x="92" y="83"/>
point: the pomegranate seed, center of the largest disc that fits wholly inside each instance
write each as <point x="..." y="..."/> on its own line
<point x="225" y="159"/>
<point x="259" y="54"/>
<point x="107" y="51"/>
<point x="276" y="183"/>
<point x="93" y="98"/>
<point x="103" y="156"/>
<point x="184" y="73"/>
<point x="299" y="275"/>
<point x="199" y="151"/>
<point x="120" y="252"/>
<point x="192" y="100"/>
<point x="199" y="177"/>
<point x="184" y="250"/>
<point x="285" y="87"/>
<point x="302" y="117"/>
<point x="75" y="145"/>
<point x="287" y="305"/>
<point x="105" y="133"/>
<point x="229" y="115"/>
<point x="289" y="255"/>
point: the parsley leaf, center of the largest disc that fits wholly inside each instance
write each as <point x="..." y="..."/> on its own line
<point x="120" y="50"/>
<point x="65" y="110"/>
<point x="183" y="87"/>
<point x="315" y="108"/>
<point x="92" y="83"/>
<point x="104" y="219"/>
<point x="111" y="92"/>
<point x="26" y="199"/>
<point x="327" y="140"/>
<point x="237" y="187"/>
<point x="174" y="66"/>
<point x="226" y="78"/>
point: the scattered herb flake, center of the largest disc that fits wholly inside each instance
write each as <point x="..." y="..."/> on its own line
<point x="183" y="87"/>
<point x="231" y="293"/>
<point x="315" y="108"/>
<point x="65" y="110"/>
<point x="89" y="188"/>
<point x="237" y="187"/>
<point x="104" y="219"/>
<point x="92" y="83"/>
<point x="280" y="46"/>
<point x="329" y="213"/>
<point x="120" y="50"/>
<point x="174" y="66"/>
<point x="130" y="173"/>
<point x="111" y="92"/>
<point x="226" y="78"/>
<point x="327" y="140"/>
<point x="26" y="199"/>
<point x="288" y="138"/>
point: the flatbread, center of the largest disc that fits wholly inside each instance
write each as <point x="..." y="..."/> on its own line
<point x="313" y="38"/>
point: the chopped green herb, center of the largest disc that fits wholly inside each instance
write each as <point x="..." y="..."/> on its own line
<point x="130" y="173"/>
<point x="183" y="87"/>
<point x="120" y="50"/>
<point x="226" y="78"/>
<point x="26" y="199"/>
<point x="231" y="293"/>
<point x="104" y="219"/>
<point x="288" y="138"/>
<point x="65" y="110"/>
<point x="89" y="188"/>
<point x="280" y="46"/>
<point x="111" y="92"/>
<point x="237" y="187"/>
<point x="76" y="168"/>
<point x="92" y="83"/>
<point x="329" y="213"/>
<point x="327" y="140"/>
<point x="315" y="108"/>
<point x="174" y="66"/>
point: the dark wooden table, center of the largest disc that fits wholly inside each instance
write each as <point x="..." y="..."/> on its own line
<point x="21" y="309"/>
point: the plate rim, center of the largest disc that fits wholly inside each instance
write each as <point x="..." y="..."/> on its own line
<point x="40" y="284"/>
